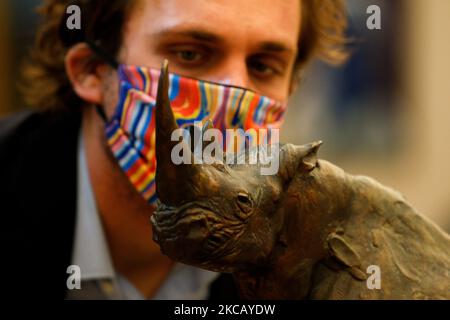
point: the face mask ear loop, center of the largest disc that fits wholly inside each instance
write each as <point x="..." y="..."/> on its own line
<point x="102" y="54"/>
<point x="101" y="112"/>
<point x="111" y="61"/>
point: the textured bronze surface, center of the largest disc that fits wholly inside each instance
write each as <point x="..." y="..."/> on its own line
<point x="310" y="231"/>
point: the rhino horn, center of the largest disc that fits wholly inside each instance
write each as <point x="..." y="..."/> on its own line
<point x="172" y="181"/>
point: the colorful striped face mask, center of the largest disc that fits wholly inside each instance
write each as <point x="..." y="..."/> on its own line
<point x="131" y="130"/>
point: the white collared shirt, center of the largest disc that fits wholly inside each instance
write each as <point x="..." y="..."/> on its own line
<point x="91" y="253"/>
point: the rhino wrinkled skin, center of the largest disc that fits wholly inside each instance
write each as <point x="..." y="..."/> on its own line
<point x="309" y="232"/>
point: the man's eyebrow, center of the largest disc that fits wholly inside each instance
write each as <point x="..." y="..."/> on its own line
<point x="195" y="34"/>
<point x="275" y="46"/>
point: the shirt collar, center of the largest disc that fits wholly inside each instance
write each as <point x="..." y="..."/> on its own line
<point x="91" y="252"/>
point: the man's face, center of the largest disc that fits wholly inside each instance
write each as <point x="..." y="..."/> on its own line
<point x="247" y="43"/>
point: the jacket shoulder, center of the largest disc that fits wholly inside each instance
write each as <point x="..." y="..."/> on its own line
<point x="38" y="174"/>
<point x="27" y="130"/>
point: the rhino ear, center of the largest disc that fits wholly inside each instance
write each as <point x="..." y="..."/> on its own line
<point x="298" y="158"/>
<point x="309" y="159"/>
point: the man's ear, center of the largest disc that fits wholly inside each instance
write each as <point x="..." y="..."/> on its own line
<point x="84" y="74"/>
<point x="298" y="158"/>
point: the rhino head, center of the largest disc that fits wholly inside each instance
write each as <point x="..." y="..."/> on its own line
<point x="219" y="217"/>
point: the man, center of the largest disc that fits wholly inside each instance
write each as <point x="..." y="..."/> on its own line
<point x="65" y="197"/>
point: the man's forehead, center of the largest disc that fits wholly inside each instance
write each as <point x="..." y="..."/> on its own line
<point x="277" y="23"/>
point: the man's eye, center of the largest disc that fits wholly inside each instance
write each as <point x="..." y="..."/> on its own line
<point x="263" y="69"/>
<point x="189" y="55"/>
<point x="264" y="66"/>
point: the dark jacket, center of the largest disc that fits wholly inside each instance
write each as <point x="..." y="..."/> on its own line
<point x="38" y="193"/>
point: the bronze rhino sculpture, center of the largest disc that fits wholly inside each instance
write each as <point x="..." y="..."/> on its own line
<point x="309" y="232"/>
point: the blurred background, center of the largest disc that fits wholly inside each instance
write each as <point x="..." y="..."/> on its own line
<point x="385" y="114"/>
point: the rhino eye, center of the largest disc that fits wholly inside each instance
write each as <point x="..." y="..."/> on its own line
<point x="244" y="202"/>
